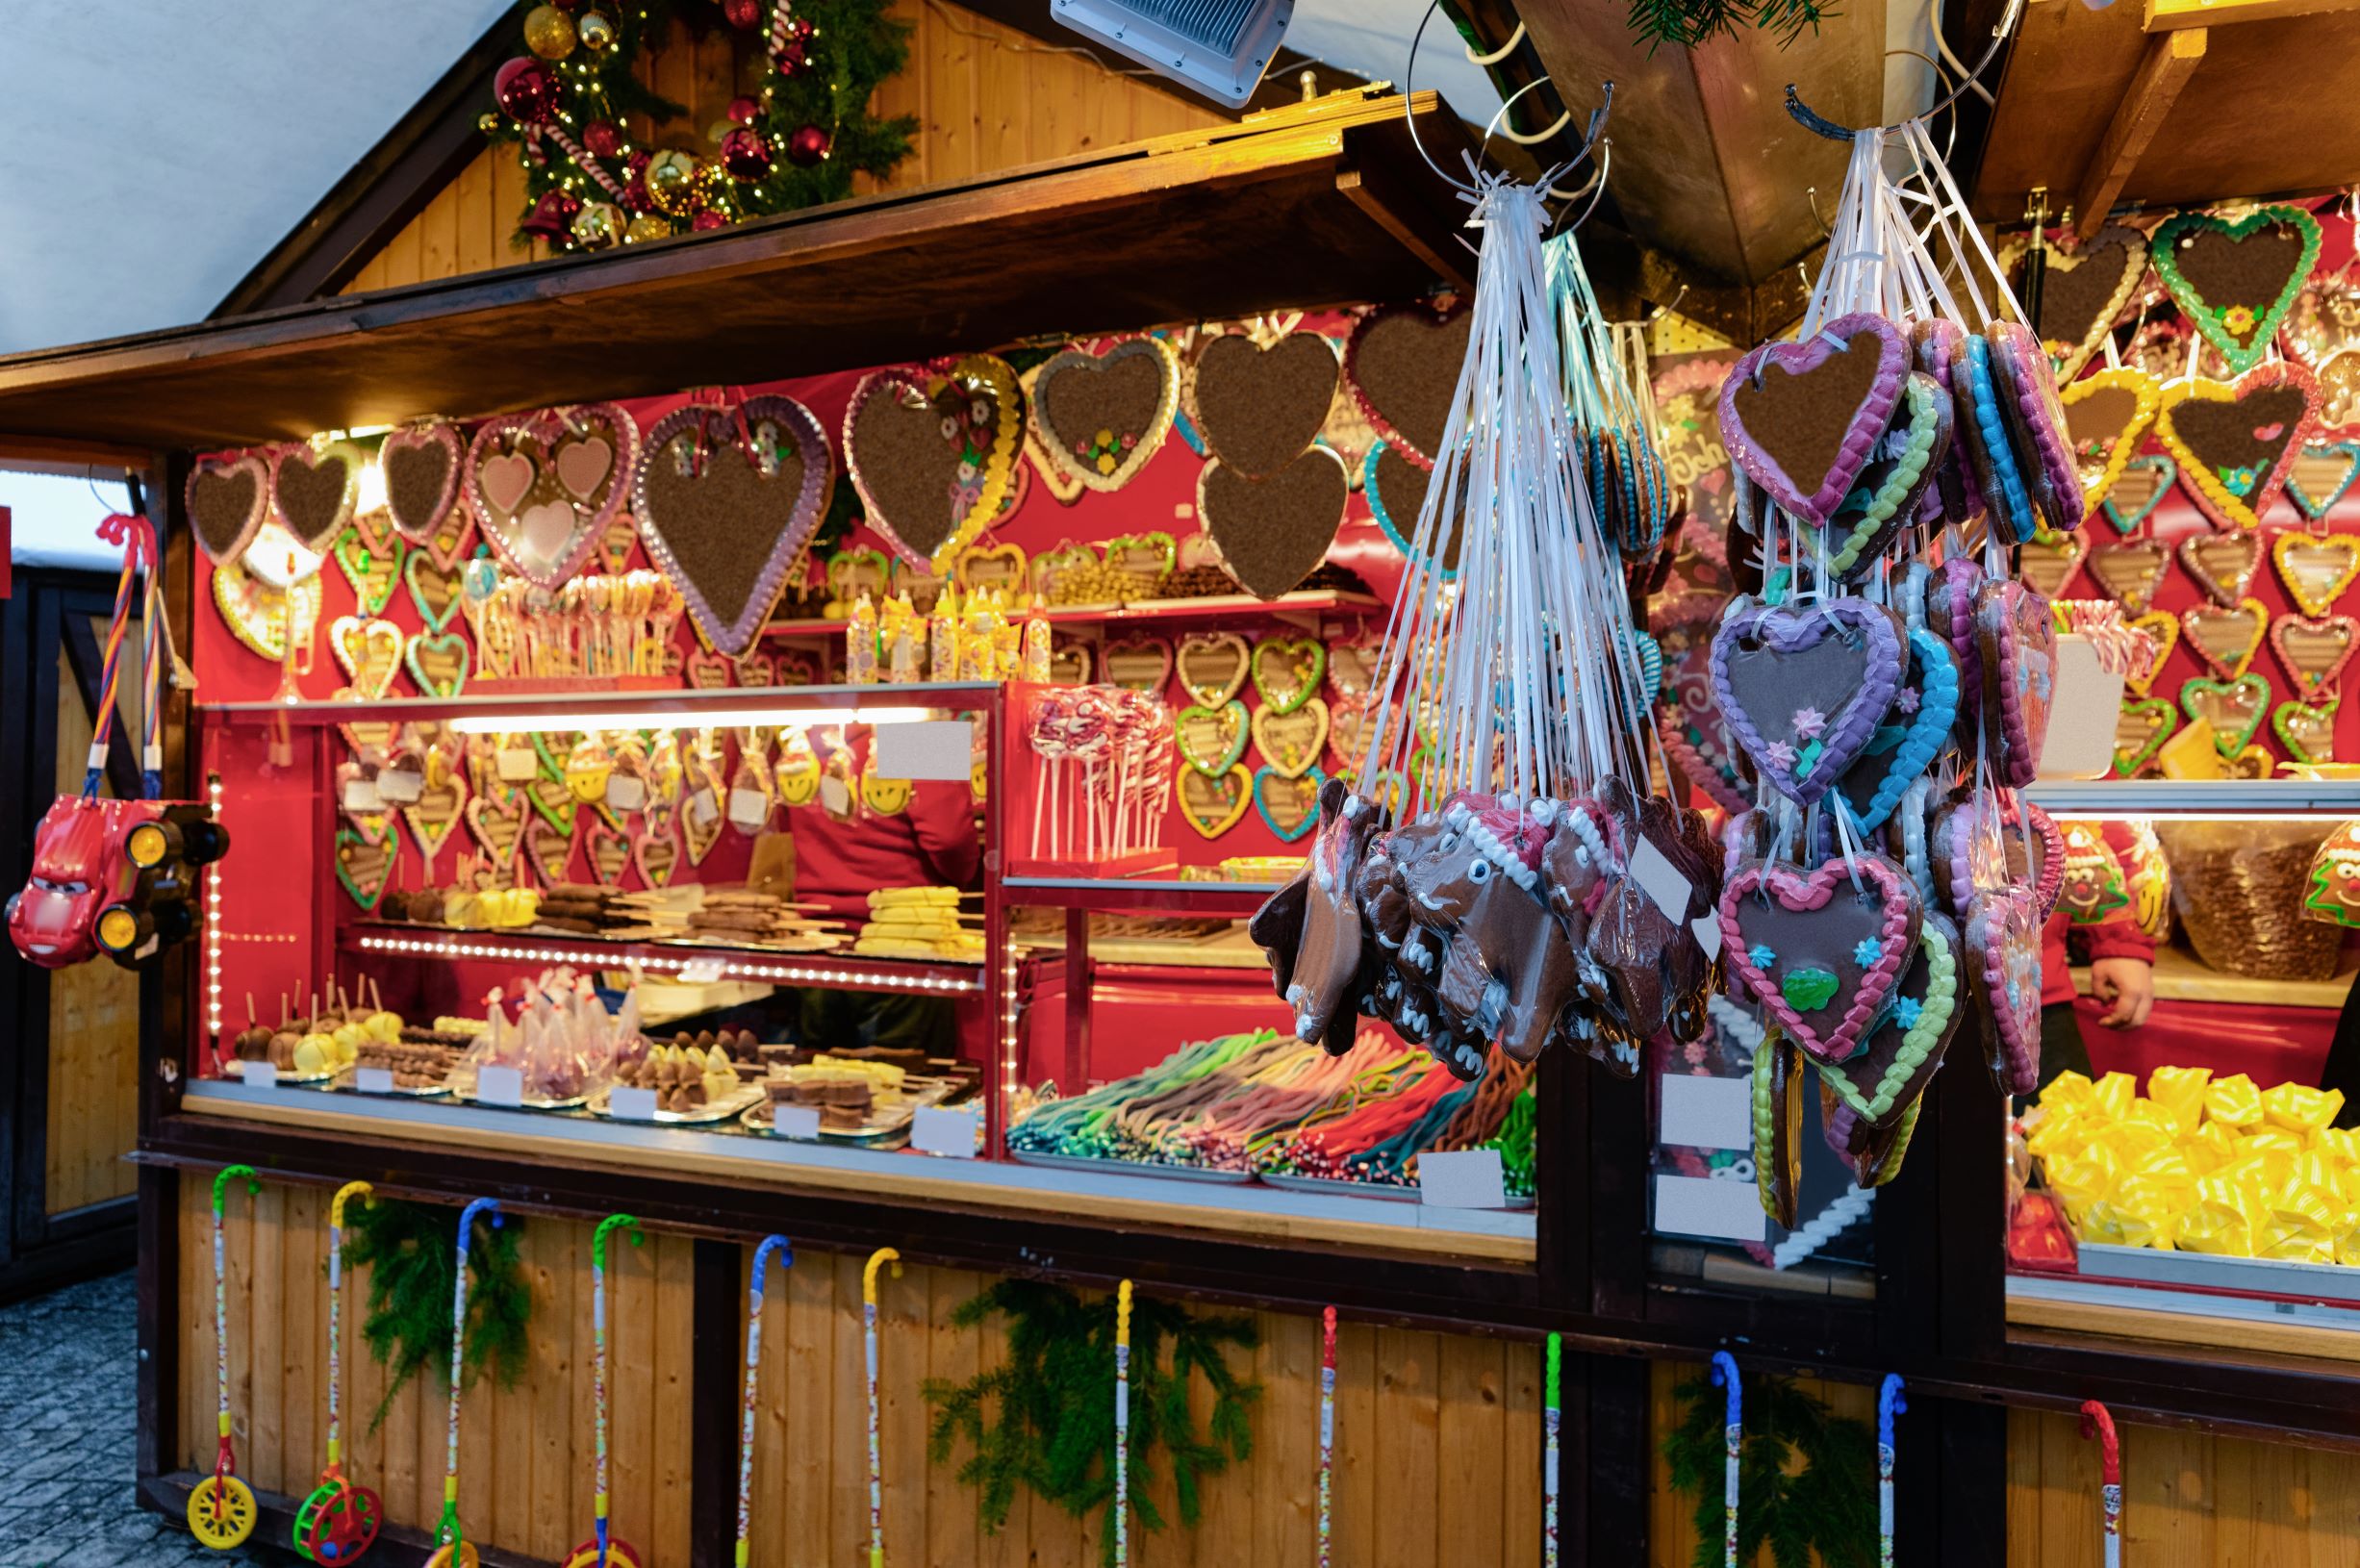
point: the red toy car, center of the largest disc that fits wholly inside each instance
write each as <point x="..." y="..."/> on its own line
<point x="111" y="875"/>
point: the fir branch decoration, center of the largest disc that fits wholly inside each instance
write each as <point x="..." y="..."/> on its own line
<point x="409" y="1250"/>
<point x="1045" y="1418"/>
<point x="1806" y="1477"/>
<point x="1688" y="23"/>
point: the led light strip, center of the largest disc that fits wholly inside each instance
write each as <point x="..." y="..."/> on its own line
<point x="792" y="974"/>
<point x="1007" y="1043"/>
<point x="212" y="927"/>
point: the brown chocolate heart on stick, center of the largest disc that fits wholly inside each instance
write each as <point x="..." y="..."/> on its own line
<point x="315" y="490"/>
<point x="1401" y="363"/>
<point x="1257" y="407"/>
<point x="227" y="499"/>
<point x="1273" y="532"/>
<point x="420" y="465"/>
<point x="1101" y="415"/>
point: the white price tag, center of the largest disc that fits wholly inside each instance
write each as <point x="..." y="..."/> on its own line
<point x="834" y="796"/>
<point x="750" y="809"/>
<point x="1660" y="878"/>
<point x="934" y="1130"/>
<point x="1707" y="1113"/>
<point x="500" y="1086"/>
<point x="631" y="1104"/>
<point x="373" y="1080"/>
<point x="259" y="1075"/>
<point x="1470" y="1178"/>
<point x="796" y="1120"/>
<point x="703" y="807"/>
<point x="935" y="748"/>
<point x="517" y="763"/>
<point x="1701" y="1206"/>
<point x="700" y="971"/>
<point x="626" y="793"/>
<point x="362" y="794"/>
<point x="1707" y="930"/>
<point x="400" y="786"/>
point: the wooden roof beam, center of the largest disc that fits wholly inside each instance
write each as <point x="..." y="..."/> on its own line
<point x="2171" y="58"/>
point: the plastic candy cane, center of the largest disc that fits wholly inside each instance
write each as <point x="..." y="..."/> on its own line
<point x="339" y="1520"/>
<point x="2096" y="1420"/>
<point x="877" y="1463"/>
<point x="451" y="1549"/>
<point x="602" y="1548"/>
<point x="222" y="1510"/>
<point x="1889" y="1405"/>
<point x="753" y="1361"/>
<point x="1326" y="1429"/>
<point x="1550" y="1406"/>
<point x="1122" y="1425"/>
<point x="1733" y="1433"/>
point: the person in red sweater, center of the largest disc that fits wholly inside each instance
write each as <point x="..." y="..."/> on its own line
<point x="2121" y="976"/>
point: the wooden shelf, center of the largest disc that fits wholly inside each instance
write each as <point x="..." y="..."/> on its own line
<point x="2179" y="976"/>
<point x="1304" y="207"/>
<point x="1222" y="608"/>
<point x="842" y="970"/>
<point x="1140" y="895"/>
<point x="583" y="708"/>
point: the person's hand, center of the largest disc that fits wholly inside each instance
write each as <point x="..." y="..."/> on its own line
<point x="2127" y="986"/>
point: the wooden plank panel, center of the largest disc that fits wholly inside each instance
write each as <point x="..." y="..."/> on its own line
<point x="437" y="229"/>
<point x="672" y="1334"/>
<point x="1521" y="1455"/>
<point x="634" y="1304"/>
<point x="196" y="1336"/>
<point x="808" y="1386"/>
<point x="548" y="1464"/>
<point x="770" y="1524"/>
<point x="1471" y="1479"/>
<point x="1359" y="1474"/>
<point x="953" y="1356"/>
<point x="302" y="1243"/>
<point x="483" y="232"/>
<point x="1408" y="1386"/>
<point x="2167" y="1495"/>
<point x="258" y="1282"/>
<point x="2335" y="1500"/>
<point x="1285" y="1460"/>
<point x="848" y="1492"/>
<point x="2024" y="1435"/>
<point x="903" y="1328"/>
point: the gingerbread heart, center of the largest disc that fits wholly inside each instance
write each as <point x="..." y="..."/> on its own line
<point x="1351" y="670"/>
<point x="2235" y="442"/>
<point x="1950" y="596"/>
<point x="2140" y="731"/>
<point x="2307" y="730"/>
<point x="701" y="820"/>
<point x="2034" y="421"/>
<point x="438" y="662"/>
<point x="2145" y="481"/>
<point x="373" y="572"/>
<point x="2130" y="571"/>
<point x="1291" y="739"/>
<point x="1212" y="666"/>
<point x="1348" y="731"/>
<point x="708" y="671"/>
<point x="544" y="485"/>
<point x="1140" y="663"/>
<point x="1906" y="744"/>
<point x="2323" y="331"/>
<point x="2085" y="292"/>
<point x="1820" y="951"/>
<point x="1401" y="363"/>
<point x="363" y="866"/>
<point x="2226" y="639"/>
<point x="1901" y="1051"/>
<point x="2003" y="947"/>
<point x="2019" y="645"/>
<point x="1212" y="739"/>
<point x="933" y="453"/>
<point x="548" y="851"/>
<point x="2050" y="561"/>
<point x="1803" y="419"/>
<point x="433" y="591"/>
<point x="728" y="496"/>
<point x="996" y="570"/>
<point x="618" y="542"/>
<point x="2323" y="471"/>
<point x="2106" y="415"/>
<point x="2162" y="630"/>
<point x="850" y="573"/>
<point x="1069" y="664"/>
<point x="1288" y="670"/>
<point x="314" y="489"/>
<point x="1101" y="415"/>
<point x="1937" y="345"/>
<point x="1397" y="490"/>
<point x="1892" y="488"/>
<point x="1148" y="555"/>
<point x="1213" y="805"/>
<point x="1288" y="804"/>
<point x="2223" y="564"/>
<point x="2316" y="568"/>
<point x="436" y="814"/>
<point x="497" y="823"/>
<point x="609" y="851"/>
<point x="1966" y="852"/>
<point x="1803" y="691"/>
<point x="2234" y="708"/>
<point x="1274" y="532"/>
<point x="258" y="614"/>
<point x="1258" y="405"/>
<point x="2236" y="278"/>
<point x="754" y="669"/>
<point x="1052" y="569"/>
<point x="227" y="498"/>
<point x="656" y="850"/>
<point x="2314" y="651"/>
<point x="2025" y="830"/>
<point x="369" y="652"/>
<point x="422" y="465"/>
<point x="552" y="802"/>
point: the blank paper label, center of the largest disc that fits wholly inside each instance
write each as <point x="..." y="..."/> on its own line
<point x="935" y="748"/>
<point x="1708" y="1113"/>
<point x="500" y="1086"/>
<point x="1701" y="1206"/>
<point x="1468" y="1179"/>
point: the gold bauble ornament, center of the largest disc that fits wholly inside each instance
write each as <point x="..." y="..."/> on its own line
<point x="597" y="33"/>
<point x="549" y="32"/>
<point x="647" y="226"/>
<point x="672" y="180"/>
<point x="597" y="225"/>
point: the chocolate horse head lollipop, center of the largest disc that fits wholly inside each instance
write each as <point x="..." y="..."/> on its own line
<point x="1311" y="928"/>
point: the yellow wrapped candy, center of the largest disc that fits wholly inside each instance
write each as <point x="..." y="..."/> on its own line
<point x="2066" y="1091"/>
<point x="2180" y="1091"/>
<point x="2115" y="1094"/>
<point x="2083" y="1179"/>
<point x="2213" y="1146"/>
<point x="2306" y="1214"/>
<point x="2235" y="1101"/>
<point x="2301" y="1109"/>
<point x="2223" y="1218"/>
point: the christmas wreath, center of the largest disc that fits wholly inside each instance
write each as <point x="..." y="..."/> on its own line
<point x="793" y="139"/>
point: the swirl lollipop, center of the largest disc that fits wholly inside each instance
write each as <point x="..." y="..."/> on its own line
<point x="1052" y="714"/>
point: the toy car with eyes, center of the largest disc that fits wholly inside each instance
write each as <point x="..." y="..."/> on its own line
<point x="112" y="877"/>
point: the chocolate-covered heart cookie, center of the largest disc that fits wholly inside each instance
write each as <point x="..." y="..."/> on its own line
<point x="933" y="454"/>
<point x="1401" y="363"/>
<point x="422" y="465"/>
<point x="1902" y="1049"/>
<point x="314" y="488"/>
<point x="1273" y="532"/>
<point x="2236" y="278"/>
<point x="1803" y="690"/>
<point x="1257" y="407"/>
<point x="1803" y="419"/>
<point x="1820" y="951"/>
<point x="2084" y="291"/>
<point x="1100" y="416"/>
<point x="227" y="498"/>
<point x="2235" y="442"/>
<point x="728" y="498"/>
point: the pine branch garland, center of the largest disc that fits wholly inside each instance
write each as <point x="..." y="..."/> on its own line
<point x="410" y="1251"/>
<point x="1688" y="23"/>
<point x="1806" y="1477"/>
<point x="1045" y="1420"/>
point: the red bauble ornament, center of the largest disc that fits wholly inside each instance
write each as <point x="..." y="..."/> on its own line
<point x="602" y="138"/>
<point x="742" y="14"/>
<point x="745" y="111"/>
<point x="635" y="199"/>
<point x="807" y="146"/>
<point x="552" y="215"/>
<point x="708" y="219"/>
<point x="746" y="153"/>
<point x="527" y="91"/>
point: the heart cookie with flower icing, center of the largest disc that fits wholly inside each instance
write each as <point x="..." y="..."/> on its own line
<point x="933" y="454"/>
<point x="2236" y="278"/>
<point x="1100" y="416"/>
<point x="1820" y="951"/>
<point x="2236" y="441"/>
<point x="1804" y="690"/>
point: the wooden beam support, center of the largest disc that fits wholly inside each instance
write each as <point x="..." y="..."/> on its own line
<point x="2167" y="16"/>
<point x="2170" y="59"/>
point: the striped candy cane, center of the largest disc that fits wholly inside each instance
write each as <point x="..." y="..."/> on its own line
<point x="1122" y="1425"/>
<point x="1889" y="1403"/>
<point x="1733" y="1433"/>
<point x="754" y="1362"/>
<point x="1548" y="1457"/>
<point x="344" y="1194"/>
<point x="2096" y="1420"/>
<point x="876" y="1462"/>
<point x="602" y="1524"/>
<point x="446" y="1531"/>
<point x="1327" y="1429"/>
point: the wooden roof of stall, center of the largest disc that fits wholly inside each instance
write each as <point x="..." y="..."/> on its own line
<point x="1321" y="204"/>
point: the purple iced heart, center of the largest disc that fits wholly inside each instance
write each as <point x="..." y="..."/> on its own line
<point x="1804" y="689"/>
<point x="1803" y="419"/>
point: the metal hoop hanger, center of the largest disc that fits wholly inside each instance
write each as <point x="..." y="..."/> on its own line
<point x="1813" y="120"/>
<point x="1589" y="138"/>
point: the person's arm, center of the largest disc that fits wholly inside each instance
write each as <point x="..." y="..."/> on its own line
<point x="2123" y="974"/>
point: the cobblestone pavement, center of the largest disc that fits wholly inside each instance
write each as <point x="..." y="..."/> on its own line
<point x="66" y="1417"/>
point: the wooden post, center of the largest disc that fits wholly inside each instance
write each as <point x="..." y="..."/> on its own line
<point x="2170" y="59"/>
